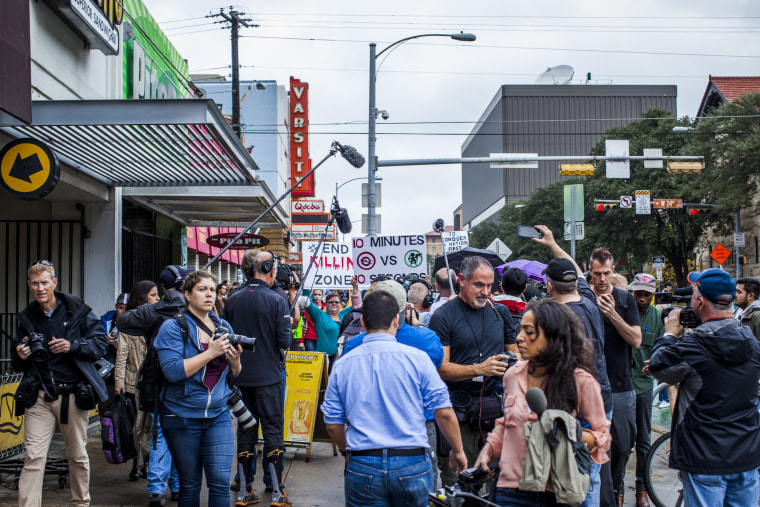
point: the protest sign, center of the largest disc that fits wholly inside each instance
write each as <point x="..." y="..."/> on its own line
<point x="390" y="256"/>
<point x="454" y="241"/>
<point x="333" y="265"/>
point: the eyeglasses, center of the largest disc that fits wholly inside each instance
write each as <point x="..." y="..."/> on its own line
<point x="41" y="261"/>
<point x="332" y="302"/>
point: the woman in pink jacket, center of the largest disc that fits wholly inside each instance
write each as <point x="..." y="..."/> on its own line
<point x="554" y="349"/>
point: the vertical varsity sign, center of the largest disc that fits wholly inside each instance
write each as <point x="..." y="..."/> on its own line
<point x="300" y="163"/>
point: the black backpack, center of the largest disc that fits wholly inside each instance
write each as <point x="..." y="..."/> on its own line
<point x="151" y="380"/>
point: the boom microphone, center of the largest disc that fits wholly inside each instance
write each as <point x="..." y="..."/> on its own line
<point x="536" y="400"/>
<point x="341" y="215"/>
<point x="352" y="156"/>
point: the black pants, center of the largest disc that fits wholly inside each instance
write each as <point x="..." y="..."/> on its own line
<point x="643" y="434"/>
<point x="623" y="432"/>
<point x="265" y="403"/>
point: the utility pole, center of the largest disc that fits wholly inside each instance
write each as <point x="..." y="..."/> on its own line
<point x="233" y="18"/>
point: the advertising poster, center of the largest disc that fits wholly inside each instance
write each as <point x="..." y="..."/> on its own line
<point x="301" y="395"/>
<point x="390" y="256"/>
<point x="333" y="265"/>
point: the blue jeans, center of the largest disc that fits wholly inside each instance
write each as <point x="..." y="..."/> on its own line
<point x="310" y="345"/>
<point x="201" y="446"/>
<point x="514" y="497"/>
<point x="730" y="490"/>
<point x="160" y="466"/>
<point x="593" y="497"/>
<point x="380" y="481"/>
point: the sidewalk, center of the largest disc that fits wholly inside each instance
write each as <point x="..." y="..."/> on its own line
<point x="317" y="483"/>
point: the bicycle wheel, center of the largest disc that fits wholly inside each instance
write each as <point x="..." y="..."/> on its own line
<point x="663" y="483"/>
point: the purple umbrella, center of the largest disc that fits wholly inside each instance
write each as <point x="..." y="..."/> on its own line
<point x="533" y="269"/>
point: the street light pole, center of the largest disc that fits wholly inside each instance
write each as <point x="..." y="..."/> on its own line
<point x="372" y="139"/>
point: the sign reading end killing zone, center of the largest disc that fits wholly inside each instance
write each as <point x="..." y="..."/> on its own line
<point x="333" y="265"/>
<point x="390" y="256"/>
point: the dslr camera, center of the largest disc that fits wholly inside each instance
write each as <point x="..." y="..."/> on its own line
<point x="38" y="345"/>
<point x="236" y="339"/>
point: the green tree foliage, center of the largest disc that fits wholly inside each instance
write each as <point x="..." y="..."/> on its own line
<point x="729" y="139"/>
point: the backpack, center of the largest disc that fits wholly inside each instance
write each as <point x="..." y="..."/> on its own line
<point x="350" y="326"/>
<point x="151" y="380"/>
<point x="116" y="431"/>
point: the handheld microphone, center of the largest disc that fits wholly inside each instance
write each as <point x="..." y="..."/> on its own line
<point x="438" y="225"/>
<point x="352" y="156"/>
<point x="536" y="400"/>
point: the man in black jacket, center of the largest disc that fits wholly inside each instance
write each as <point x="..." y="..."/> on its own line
<point x="146" y="321"/>
<point x="715" y="439"/>
<point x="257" y="311"/>
<point x="58" y="340"/>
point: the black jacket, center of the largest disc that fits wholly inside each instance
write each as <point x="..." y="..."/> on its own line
<point x="716" y="426"/>
<point x="146" y="320"/>
<point x="84" y="332"/>
<point x="259" y="312"/>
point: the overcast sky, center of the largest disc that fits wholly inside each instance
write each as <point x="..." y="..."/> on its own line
<point x="435" y="88"/>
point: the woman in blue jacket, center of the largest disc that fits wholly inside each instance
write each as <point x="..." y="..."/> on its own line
<point x="194" y="414"/>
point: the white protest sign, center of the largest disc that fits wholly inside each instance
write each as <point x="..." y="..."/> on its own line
<point x="333" y="265"/>
<point x="392" y="256"/>
<point x="454" y="241"/>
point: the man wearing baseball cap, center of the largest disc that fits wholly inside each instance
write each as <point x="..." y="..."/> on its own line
<point x="716" y="430"/>
<point x="643" y="288"/>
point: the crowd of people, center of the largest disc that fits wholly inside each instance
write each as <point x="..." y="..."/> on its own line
<point x="427" y="378"/>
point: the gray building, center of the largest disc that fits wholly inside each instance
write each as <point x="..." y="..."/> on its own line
<point x="550" y="120"/>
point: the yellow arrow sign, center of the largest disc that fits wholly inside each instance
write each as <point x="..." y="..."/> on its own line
<point x="28" y="169"/>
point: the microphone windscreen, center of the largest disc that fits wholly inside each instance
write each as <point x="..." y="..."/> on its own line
<point x="536" y="400"/>
<point x="343" y="221"/>
<point x="352" y="156"/>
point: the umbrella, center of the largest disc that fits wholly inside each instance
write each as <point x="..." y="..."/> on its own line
<point x="456" y="258"/>
<point x="533" y="269"/>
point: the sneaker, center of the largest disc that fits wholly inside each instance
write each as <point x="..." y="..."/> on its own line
<point x="175" y="496"/>
<point x="248" y="498"/>
<point x="156" y="500"/>
<point x="281" y="500"/>
<point x="663" y="404"/>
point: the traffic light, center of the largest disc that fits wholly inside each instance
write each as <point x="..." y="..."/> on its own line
<point x="685" y="167"/>
<point x="697" y="211"/>
<point x="576" y="169"/>
<point x="606" y="206"/>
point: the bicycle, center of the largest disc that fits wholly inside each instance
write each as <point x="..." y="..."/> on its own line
<point x="467" y="490"/>
<point x="663" y="484"/>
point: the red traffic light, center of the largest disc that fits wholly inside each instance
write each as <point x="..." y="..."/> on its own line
<point x="693" y="211"/>
<point x="600" y="207"/>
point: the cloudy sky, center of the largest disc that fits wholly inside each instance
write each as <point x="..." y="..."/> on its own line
<point x="435" y="88"/>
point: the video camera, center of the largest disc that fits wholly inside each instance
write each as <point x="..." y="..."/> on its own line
<point x="688" y="318"/>
<point x="286" y="276"/>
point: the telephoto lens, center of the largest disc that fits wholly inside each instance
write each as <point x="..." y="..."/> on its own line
<point x="244" y="416"/>
<point x="236" y="339"/>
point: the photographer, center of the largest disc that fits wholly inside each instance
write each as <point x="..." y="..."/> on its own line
<point x="58" y="340"/>
<point x="716" y="433"/>
<point x="258" y="311"/>
<point x="194" y="414"/>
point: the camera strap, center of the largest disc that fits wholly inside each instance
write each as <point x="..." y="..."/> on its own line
<point x="203" y="327"/>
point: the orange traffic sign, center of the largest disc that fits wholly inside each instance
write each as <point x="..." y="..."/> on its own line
<point x="720" y="254"/>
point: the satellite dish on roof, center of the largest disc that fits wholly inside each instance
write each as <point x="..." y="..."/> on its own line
<point x="559" y="75"/>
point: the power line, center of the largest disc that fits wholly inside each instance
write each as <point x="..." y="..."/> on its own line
<point x="611" y="51"/>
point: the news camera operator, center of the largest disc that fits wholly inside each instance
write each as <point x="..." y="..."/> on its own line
<point x="716" y="430"/>
<point x="194" y="414"/>
<point x="57" y="342"/>
<point x="256" y="310"/>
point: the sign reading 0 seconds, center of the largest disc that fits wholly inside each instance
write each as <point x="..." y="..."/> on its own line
<point x="28" y="169"/>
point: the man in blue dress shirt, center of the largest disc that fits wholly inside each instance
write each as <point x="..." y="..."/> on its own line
<point x="382" y="390"/>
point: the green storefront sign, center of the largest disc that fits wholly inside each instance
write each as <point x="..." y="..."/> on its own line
<point x="153" y="69"/>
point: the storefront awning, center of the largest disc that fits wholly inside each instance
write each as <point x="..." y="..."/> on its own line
<point x="179" y="157"/>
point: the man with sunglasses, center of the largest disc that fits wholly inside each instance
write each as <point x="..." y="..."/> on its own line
<point x="59" y="338"/>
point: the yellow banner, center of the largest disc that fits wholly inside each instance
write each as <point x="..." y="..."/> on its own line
<point x="301" y="395"/>
<point x="11" y="427"/>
